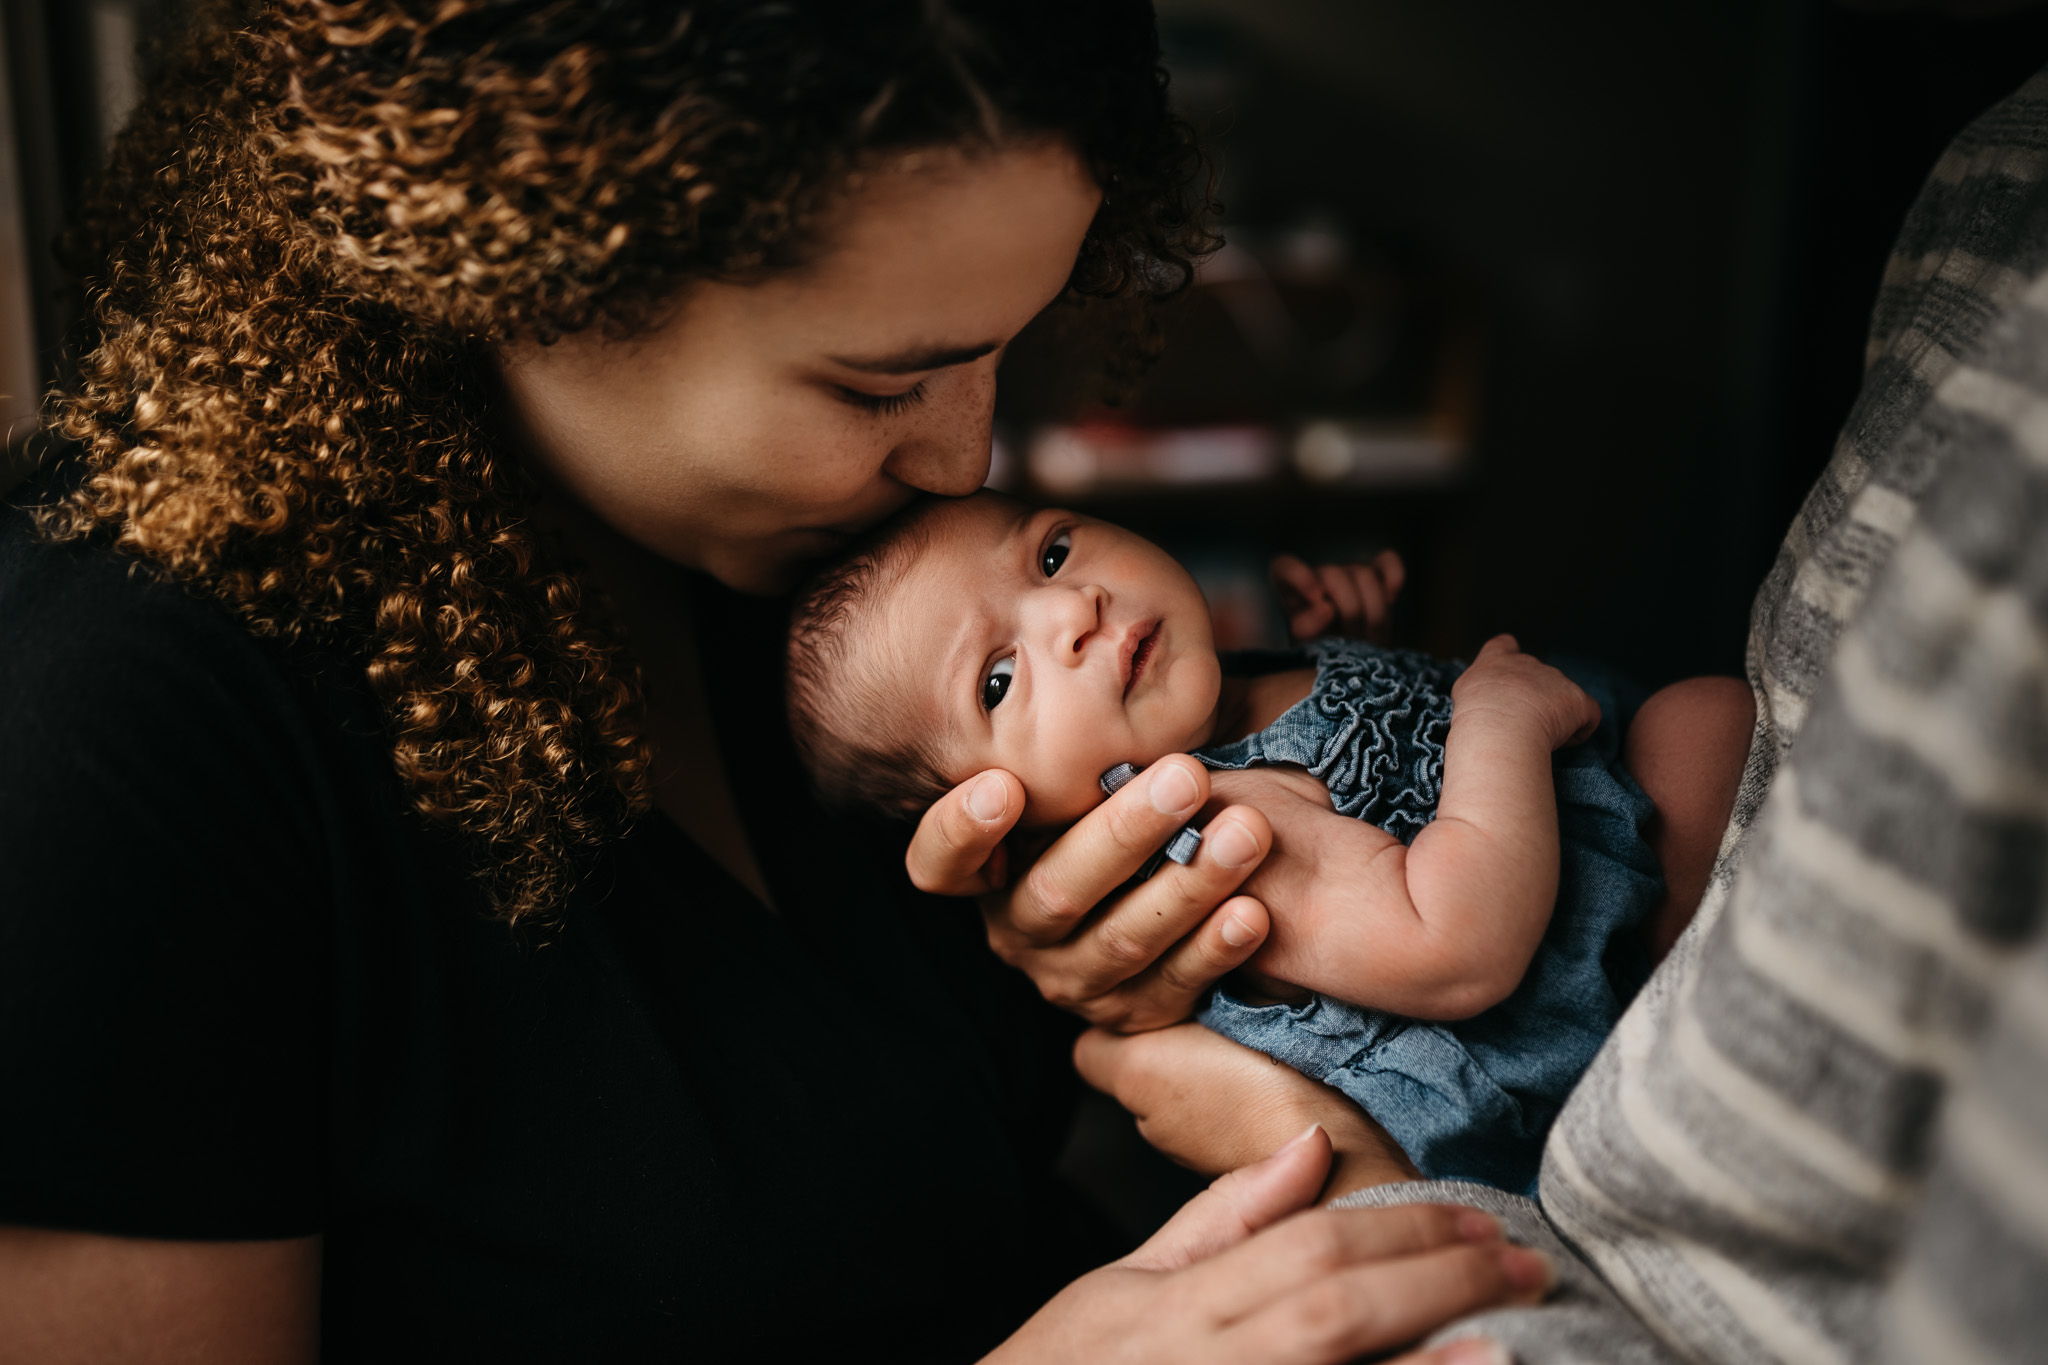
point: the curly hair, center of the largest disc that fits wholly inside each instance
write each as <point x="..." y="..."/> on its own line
<point x="329" y="213"/>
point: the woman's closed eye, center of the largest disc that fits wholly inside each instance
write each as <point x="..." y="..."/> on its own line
<point x="996" y="685"/>
<point x="885" y="404"/>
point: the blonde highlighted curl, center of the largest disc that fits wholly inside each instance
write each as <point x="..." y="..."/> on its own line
<point x="328" y="215"/>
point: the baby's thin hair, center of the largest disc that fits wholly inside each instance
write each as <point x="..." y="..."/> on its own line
<point x="849" y="728"/>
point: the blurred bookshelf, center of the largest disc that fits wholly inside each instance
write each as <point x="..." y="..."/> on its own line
<point x="1313" y="397"/>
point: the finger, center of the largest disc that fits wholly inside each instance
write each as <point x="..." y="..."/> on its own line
<point x="1499" y="645"/>
<point x="958" y="837"/>
<point x="1372" y="599"/>
<point x="1382" y="1304"/>
<point x="1327" y="1242"/>
<point x="1463" y="1351"/>
<point x="1239" y="1203"/>
<point x="1103" y="850"/>
<point x="1296" y="582"/>
<point x="1392" y="571"/>
<point x="1302" y="599"/>
<point x="1104" y="972"/>
<point x="1336" y="581"/>
<point x="1166" y="992"/>
<point x="1311" y="621"/>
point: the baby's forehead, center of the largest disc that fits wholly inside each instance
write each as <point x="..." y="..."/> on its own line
<point x="935" y="576"/>
<point x="931" y="589"/>
<point x="938" y="554"/>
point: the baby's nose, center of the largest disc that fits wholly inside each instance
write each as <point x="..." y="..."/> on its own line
<point x="1076" y="620"/>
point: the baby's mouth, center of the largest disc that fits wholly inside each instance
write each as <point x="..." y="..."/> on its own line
<point x="1141" y="650"/>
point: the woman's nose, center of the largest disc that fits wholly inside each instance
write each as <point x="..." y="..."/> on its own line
<point x="948" y="452"/>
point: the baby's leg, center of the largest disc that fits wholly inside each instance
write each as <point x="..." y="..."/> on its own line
<point x="1686" y="747"/>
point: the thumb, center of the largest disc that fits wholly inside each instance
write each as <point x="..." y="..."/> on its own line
<point x="1239" y="1204"/>
<point x="957" y="848"/>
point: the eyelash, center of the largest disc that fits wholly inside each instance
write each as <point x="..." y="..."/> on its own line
<point x="886" y="404"/>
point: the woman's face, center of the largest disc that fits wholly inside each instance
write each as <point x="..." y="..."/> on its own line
<point x="761" y="425"/>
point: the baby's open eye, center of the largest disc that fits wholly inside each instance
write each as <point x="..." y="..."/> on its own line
<point x="1055" y="554"/>
<point x="997" y="685"/>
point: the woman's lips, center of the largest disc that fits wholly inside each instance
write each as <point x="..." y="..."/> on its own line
<point x="1137" y="652"/>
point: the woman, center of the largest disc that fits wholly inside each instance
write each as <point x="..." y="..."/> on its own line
<point x="417" y="938"/>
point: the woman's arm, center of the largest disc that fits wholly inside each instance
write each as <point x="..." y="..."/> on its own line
<point x="80" y="1297"/>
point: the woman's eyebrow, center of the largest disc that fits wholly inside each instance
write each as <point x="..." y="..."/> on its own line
<point x="916" y="358"/>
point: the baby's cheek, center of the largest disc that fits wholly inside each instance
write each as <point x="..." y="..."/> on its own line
<point x="1062" y="800"/>
<point x="1062" y="771"/>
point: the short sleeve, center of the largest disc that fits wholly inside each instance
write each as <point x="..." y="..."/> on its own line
<point x="162" y="987"/>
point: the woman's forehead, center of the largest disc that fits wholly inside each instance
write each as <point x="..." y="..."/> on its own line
<point x="958" y="253"/>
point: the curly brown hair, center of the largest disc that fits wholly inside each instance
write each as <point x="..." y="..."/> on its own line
<point x="329" y="213"/>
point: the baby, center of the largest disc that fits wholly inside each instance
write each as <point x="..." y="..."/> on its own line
<point x="1513" y="898"/>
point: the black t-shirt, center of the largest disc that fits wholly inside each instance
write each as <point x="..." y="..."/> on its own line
<point x="245" y="993"/>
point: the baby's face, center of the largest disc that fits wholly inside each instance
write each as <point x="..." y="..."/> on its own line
<point x="1051" y="645"/>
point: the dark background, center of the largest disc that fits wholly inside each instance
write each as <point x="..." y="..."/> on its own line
<point x="1625" y="252"/>
<point x="1638" y="239"/>
<point x="1653" y="233"/>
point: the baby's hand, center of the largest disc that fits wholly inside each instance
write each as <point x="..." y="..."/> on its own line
<point x="1353" y="600"/>
<point x="1504" y="679"/>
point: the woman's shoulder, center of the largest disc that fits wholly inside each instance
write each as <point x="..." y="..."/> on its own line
<point x="132" y="711"/>
<point x="75" y="610"/>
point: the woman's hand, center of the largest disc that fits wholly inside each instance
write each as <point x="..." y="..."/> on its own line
<point x="1503" y="678"/>
<point x="1139" y="962"/>
<point x="1355" y="600"/>
<point x="1233" y="1277"/>
<point x="1214" y="1105"/>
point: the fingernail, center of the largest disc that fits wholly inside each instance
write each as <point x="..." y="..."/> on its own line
<point x="1475" y="1351"/>
<point x="1173" y="790"/>
<point x="1475" y="1226"/>
<point x="1527" y="1269"/>
<point x="1303" y="1136"/>
<point x="989" y="799"/>
<point x="1237" y="933"/>
<point x="1231" y="844"/>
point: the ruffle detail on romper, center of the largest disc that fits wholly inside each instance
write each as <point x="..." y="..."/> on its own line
<point x="1372" y="730"/>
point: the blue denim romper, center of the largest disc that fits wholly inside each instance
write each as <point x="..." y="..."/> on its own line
<point x="1470" y="1100"/>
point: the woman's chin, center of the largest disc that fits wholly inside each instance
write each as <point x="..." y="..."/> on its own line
<point x="773" y="568"/>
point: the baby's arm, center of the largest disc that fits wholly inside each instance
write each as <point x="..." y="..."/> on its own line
<point x="1443" y="928"/>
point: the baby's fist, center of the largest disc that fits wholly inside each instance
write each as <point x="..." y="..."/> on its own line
<point x="1503" y="678"/>
<point x="1353" y="600"/>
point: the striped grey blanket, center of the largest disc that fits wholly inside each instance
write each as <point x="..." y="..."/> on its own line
<point x="1821" y="1133"/>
